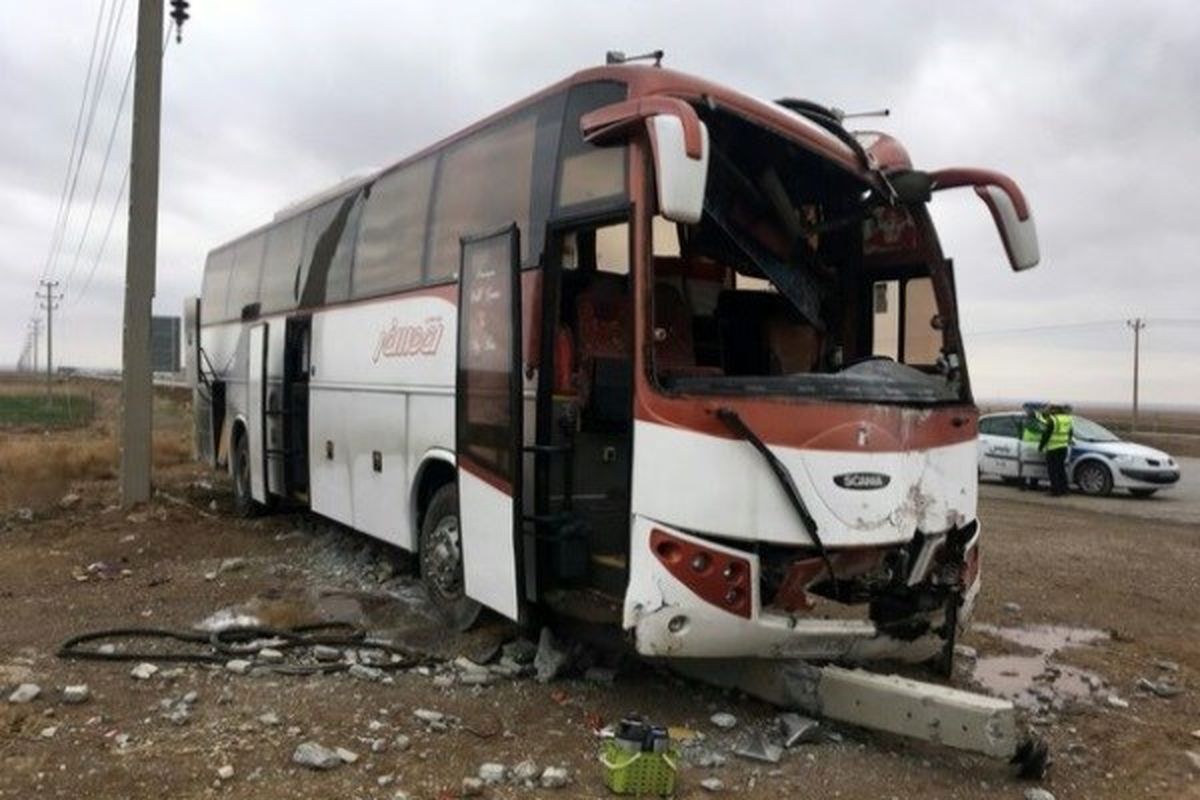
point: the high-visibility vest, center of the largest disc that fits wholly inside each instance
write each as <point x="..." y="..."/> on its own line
<point x="1031" y="430"/>
<point x="1060" y="434"/>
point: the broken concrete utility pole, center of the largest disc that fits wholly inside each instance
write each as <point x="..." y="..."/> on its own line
<point x="140" y="254"/>
<point x="926" y="711"/>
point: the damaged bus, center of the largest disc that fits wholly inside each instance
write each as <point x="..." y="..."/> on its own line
<point x="639" y="348"/>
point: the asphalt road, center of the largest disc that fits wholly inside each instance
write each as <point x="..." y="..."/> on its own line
<point x="1180" y="503"/>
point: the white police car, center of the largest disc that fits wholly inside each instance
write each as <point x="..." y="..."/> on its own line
<point x="1099" y="460"/>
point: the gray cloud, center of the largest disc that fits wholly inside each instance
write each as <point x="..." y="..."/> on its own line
<point x="1091" y="108"/>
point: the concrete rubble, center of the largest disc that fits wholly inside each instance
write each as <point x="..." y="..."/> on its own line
<point x="492" y="773"/>
<point x="1037" y="793"/>
<point x="723" y="720"/>
<point x="316" y="756"/>
<point x="550" y="659"/>
<point x="554" y="778"/>
<point x="712" y="784"/>
<point x="143" y="671"/>
<point x="25" y="693"/>
<point x="76" y="694"/>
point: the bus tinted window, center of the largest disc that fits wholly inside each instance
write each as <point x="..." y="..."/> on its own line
<point x="391" y="236"/>
<point x="329" y="251"/>
<point x="247" y="269"/>
<point x="589" y="174"/>
<point x="484" y="183"/>
<point x="216" y="286"/>
<point x="285" y="242"/>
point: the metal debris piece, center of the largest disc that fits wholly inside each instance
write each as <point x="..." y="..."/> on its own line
<point x="798" y="728"/>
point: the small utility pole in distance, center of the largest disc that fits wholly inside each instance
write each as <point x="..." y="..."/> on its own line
<point x="35" y="330"/>
<point x="48" y="297"/>
<point x="1136" y="324"/>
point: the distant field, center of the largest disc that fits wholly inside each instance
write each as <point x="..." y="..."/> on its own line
<point x="23" y="410"/>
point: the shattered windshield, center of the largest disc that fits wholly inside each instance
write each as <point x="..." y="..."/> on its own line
<point x="770" y="293"/>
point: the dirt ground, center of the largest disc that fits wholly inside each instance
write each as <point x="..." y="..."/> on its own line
<point x="92" y="566"/>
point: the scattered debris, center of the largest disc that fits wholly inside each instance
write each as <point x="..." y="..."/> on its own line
<point x="554" y="778"/>
<point x="324" y="652"/>
<point x="757" y="748"/>
<point x="428" y="716"/>
<point x="1012" y="608"/>
<point x="347" y="756"/>
<point x="24" y="514"/>
<point x="270" y="719"/>
<point x="74" y="695"/>
<point x="25" y="693"/>
<point x="798" y="728"/>
<point x="519" y="651"/>
<point x="143" y="671"/>
<point x="1167" y="666"/>
<point x="966" y="651"/>
<point x="525" y="772"/>
<point x="269" y="655"/>
<point x="1038" y="793"/>
<point x="224" y="772"/>
<point x="723" y="720"/>
<point x="69" y="500"/>
<point x="48" y="733"/>
<point x="713" y="784"/>
<point x="1116" y="702"/>
<point x="550" y="658"/>
<point x="472" y="787"/>
<point x="492" y="773"/>
<point x="315" y="756"/>
<point x="1194" y="758"/>
<point x="365" y="673"/>
<point x="238" y="666"/>
<point x="1164" y="689"/>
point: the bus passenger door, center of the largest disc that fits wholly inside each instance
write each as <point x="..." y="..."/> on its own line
<point x="489" y="424"/>
<point x="256" y="406"/>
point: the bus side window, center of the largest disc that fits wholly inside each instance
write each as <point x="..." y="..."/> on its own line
<point x="885" y="319"/>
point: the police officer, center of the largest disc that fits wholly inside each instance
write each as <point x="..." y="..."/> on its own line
<point x="1056" y="440"/>
<point x="1031" y="435"/>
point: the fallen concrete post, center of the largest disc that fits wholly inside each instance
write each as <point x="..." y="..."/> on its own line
<point x="952" y="717"/>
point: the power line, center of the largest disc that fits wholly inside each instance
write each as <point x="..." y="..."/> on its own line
<point x="112" y="137"/>
<point x="116" y="206"/>
<point x="97" y="91"/>
<point x="87" y="82"/>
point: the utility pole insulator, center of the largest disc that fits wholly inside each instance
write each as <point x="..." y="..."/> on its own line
<point x="179" y="15"/>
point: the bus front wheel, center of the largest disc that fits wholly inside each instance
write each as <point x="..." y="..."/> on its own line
<point x="442" y="561"/>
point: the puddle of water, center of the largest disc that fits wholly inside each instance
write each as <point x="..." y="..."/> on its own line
<point x="1036" y="680"/>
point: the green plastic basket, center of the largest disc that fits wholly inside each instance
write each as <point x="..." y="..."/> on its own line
<point x="639" y="774"/>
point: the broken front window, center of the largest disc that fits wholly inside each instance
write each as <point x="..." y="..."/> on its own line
<point x="770" y="292"/>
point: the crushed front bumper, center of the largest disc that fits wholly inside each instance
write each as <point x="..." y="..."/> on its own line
<point x="668" y="619"/>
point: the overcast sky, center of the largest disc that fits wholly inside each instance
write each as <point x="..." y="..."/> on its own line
<point x="1093" y="109"/>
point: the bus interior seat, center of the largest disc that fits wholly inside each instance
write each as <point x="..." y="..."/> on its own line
<point x="674" y="340"/>
<point x="605" y="348"/>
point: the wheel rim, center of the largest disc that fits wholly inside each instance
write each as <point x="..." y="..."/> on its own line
<point x="1091" y="480"/>
<point x="441" y="559"/>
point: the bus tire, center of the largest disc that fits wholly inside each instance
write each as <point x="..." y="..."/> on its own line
<point x="244" y="504"/>
<point x="441" y="561"/>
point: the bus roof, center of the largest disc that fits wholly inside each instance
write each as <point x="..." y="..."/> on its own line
<point x="642" y="80"/>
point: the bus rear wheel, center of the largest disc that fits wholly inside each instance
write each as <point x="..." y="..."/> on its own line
<point x="442" y="561"/>
<point x="244" y="504"/>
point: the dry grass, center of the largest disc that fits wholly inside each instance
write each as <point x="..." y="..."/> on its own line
<point x="36" y="471"/>
<point x="37" y="467"/>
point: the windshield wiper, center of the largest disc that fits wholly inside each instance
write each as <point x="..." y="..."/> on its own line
<point x="735" y="423"/>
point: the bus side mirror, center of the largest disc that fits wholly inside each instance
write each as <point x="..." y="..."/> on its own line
<point x="1010" y="211"/>
<point x="681" y="177"/>
<point x="679" y="140"/>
